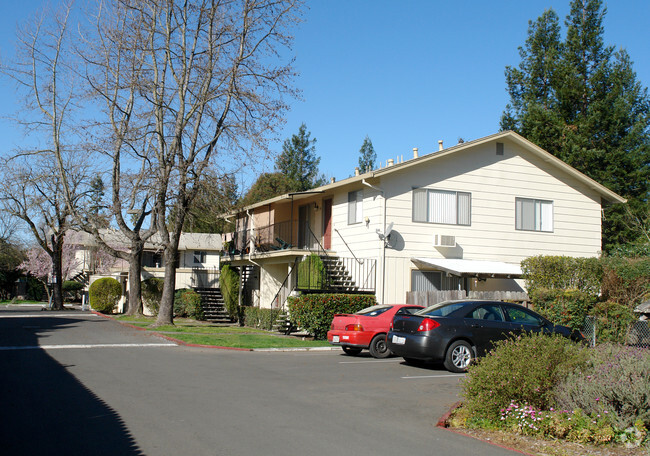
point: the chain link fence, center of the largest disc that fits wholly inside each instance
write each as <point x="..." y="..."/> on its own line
<point x="637" y="334"/>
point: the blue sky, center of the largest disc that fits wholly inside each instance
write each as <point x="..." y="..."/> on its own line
<point x="406" y="73"/>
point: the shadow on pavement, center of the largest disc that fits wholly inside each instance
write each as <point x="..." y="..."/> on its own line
<point x="44" y="409"/>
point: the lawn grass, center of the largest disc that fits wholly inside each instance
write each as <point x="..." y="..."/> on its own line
<point x="200" y="333"/>
<point x="252" y="341"/>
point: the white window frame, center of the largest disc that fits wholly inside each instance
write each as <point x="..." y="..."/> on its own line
<point x="445" y="207"/>
<point x="534" y="215"/>
<point x="199" y="256"/>
<point x="355" y="207"/>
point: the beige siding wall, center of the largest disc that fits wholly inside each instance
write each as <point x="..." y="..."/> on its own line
<point x="271" y="278"/>
<point x="494" y="182"/>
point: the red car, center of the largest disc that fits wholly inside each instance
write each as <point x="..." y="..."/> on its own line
<point x="366" y="329"/>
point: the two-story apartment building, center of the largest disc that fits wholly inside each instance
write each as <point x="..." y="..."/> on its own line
<point x="459" y="218"/>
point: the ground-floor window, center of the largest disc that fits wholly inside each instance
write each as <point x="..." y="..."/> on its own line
<point x="435" y="281"/>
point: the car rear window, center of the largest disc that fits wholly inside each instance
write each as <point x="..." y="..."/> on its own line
<point x="373" y="311"/>
<point x="442" y="309"/>
<point x="408" y="310"/>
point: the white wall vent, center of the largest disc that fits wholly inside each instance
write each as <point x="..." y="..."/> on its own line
<point x="441" y="240"/>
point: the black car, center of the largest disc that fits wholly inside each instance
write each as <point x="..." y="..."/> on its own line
<point x="456" y="332"/>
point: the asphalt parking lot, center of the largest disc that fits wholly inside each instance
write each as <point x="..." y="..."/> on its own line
<point x="76" y="383"/>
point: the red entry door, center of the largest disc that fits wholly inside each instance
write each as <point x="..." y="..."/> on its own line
<point x="327" y="223"/>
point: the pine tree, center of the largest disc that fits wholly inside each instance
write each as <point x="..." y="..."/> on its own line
<point x="580" y="100"/>
<point x="299" y="162"/>
<point x="367" y="156"/>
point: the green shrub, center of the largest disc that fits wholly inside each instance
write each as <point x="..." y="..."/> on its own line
<point x="615" y="382"/>
<point x="152" y="289"/>
<point x="104" y="294"/>
<point x="311" y="273"/>
<point x="613" y="321"/>
<point x="315" y="312"/>
<point x="256" y="317"/>
<point x="35" y="289"/>
<point x="562" y="273"/>
<point x="229" y="284"/>
<point x="563" y="307"/>
<point x="626" y="280"/>
<point x="524" y="369"/>
<point x="187" y="303"/>
<point x="71" y="289"/>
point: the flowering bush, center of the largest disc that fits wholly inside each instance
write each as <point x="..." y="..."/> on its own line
<point x="617" y="379"/>
<point x="569" y="425"/>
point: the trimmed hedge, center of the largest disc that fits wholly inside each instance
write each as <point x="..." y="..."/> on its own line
<point x="315" y="312"/>
<point x="563" y="273"/>
<point x="187" y="303"/>
<point x="254" y="317"/>
<point x="229" y="284"/>
<point x="104" y="294"/>
<point x="152" y="289"/>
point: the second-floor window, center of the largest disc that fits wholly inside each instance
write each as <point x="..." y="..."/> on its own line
<point x="442" y="206"/>
<point x="199" y="256"/>
<point x="355" y="207"/>
<point x="533" y="215"/>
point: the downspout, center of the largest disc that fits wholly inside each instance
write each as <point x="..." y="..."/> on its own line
<point x="383" y="247"/>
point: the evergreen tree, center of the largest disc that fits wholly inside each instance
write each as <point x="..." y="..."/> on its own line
<point x="367" y="156"/>
<point x="299" y="162"/>
<point x="267" y="186"/>
<point x="580" y="100"/>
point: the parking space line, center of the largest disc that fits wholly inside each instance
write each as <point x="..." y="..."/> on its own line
<point x="433" y="376"/>
<point x="372" y="361"/>
<point x="48" y="315"/>
<point x="58" y="347"/>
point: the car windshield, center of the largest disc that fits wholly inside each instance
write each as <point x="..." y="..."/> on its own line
<point x="442" y="309"/>
<point x="373" y="311"/>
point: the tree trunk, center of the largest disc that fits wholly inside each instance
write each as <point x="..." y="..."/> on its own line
<point x="135" y="285"/>
<point x="166" y="311"/>
<point x="57" y="273"/>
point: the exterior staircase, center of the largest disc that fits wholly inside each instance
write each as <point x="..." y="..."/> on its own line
<point x="283" y="324"/>
<point x="340" y="279"/>
<point x="214" y="308"/>
<point x="82" y="277"/>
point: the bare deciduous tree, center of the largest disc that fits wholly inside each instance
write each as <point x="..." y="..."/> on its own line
<point x="31" y="188"/>
<point x="210" y="90"/>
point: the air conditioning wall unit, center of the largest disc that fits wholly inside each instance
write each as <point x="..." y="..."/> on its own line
<point x="443" y="240"/>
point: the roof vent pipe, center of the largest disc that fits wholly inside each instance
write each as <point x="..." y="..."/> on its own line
<point x="390" y="162"/>
<point x="332" y="180"/>
<point x="415" y="152"/>
<point x="356" y="171"/>
<point x="440" y="145"/>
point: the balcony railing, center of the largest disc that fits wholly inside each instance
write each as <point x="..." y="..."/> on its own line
<point x="278" y="236"/>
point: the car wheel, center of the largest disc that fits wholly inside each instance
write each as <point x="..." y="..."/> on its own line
<point x="458" y="357"/>
<point x="378" y="347"/>
<point x="351" y="350"/>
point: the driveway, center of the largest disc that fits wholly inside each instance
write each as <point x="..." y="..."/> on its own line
<point x="74" y="383"/>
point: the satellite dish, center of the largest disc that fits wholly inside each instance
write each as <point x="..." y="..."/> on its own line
<point x="385" y="236"/>
<point x="389" y="228"/>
